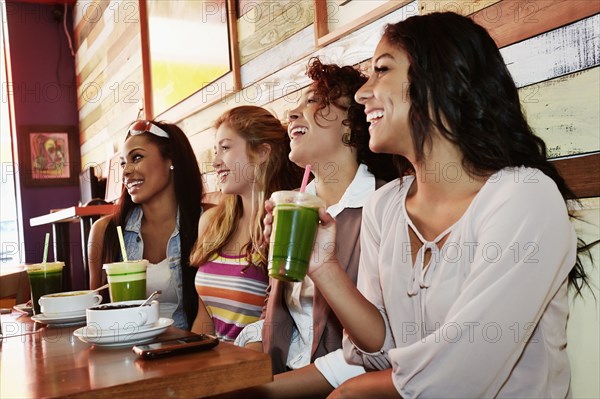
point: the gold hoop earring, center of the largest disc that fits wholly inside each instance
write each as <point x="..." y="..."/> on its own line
<point x="347" y="136"/>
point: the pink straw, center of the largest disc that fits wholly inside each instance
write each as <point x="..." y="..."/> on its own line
<point x="305" y="178"/>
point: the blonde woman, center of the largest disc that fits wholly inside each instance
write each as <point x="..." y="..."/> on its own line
<point x="251" y="162"/>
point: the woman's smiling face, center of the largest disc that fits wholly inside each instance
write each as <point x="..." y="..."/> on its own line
<point x="146" y="173"/>
<point x="387" y="103"/>
<point x="235" y="171"/>
<point x="315" y="134"/>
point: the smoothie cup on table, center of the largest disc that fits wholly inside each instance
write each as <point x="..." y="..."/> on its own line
<point x="44" y="278"/>
<point x="126" y="280"/>
<point x="295" y="223"/>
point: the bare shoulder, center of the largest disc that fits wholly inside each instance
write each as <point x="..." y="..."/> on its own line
<point x="205" y="219"/>
<point x="99" y="227"/>
<point x="208" y="214"/>
<point x="102" y="222"/>
<point x="95" y="247"/>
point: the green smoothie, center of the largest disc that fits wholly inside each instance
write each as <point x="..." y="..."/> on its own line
<point x="127" y="290"/>
<point x="126" y="280"/>
<point x="295" y="222"/>
<point x="44" y="278"/>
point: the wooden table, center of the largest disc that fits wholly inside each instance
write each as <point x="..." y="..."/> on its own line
<point x="38" y="361"/>
<point x="61" y="220"/>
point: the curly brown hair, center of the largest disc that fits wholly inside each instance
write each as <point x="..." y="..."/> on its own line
<point x="336" y="85"/>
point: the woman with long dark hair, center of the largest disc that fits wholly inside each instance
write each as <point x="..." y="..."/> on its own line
<point x="300" y="332"/>
<point x="158" y="210"/>
<point x="466" y="260"/>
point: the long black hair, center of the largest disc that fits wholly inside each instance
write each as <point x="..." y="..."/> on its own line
<point x="188" y="192"/>
<point x="459" y="84"/>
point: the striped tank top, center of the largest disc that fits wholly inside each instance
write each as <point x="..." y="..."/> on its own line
<point x="232" y="298"/>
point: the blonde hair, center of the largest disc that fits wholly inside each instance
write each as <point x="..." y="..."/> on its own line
<point x="257" y="127"/>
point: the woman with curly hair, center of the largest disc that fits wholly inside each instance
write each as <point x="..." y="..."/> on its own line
<point x="328" y="130"/>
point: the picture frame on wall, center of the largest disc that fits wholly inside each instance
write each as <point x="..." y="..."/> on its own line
<point x="189" y="55"/>
<point x="337" y="18"/>
<point x="49" y="155"/>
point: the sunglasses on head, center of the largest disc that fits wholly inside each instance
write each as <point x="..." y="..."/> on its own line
<point x="139" y="127"/>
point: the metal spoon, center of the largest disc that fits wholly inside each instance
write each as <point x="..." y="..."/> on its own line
<point x="151" y="297"/>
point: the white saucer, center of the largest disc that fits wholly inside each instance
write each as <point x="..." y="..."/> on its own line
<point x="60" y="320"/>
<point x="64" y="314"/>
<point x="127" y="337"/>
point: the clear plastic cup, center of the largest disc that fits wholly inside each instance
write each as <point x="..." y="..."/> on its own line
<point x="126" y="280"/>
<point x="295" y="223"/>
<point x="44" y="278"/>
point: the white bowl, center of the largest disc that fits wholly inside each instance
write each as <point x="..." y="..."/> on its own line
<point x="71" y="302"/>
<point x="126" y="315"/>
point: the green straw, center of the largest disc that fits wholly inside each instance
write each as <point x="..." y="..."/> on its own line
<point x="46" y="242"/>
<point x="122" y="242"/>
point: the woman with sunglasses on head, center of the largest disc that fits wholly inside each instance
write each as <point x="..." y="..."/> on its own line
<point x="466" y="260"/>
<point x="251" y="148"/>
<point x="328" y="130"/>
<point x="159" y="209"/>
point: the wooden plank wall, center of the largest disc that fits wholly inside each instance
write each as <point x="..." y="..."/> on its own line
<point x="583" y="333"/>
<point x="263" y="25"/>
<point x="552" y="48"/>
<point x="109" y="74"/>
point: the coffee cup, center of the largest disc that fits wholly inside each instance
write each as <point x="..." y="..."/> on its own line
<point x="64" y="303"/>
<point x="295" y="222"/>
<point x="126" y="316"/>
<point x="126" y="280"/>
<point x="44" y="278"/>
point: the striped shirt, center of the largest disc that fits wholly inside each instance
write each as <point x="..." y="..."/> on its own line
<point x="232" y="298"/>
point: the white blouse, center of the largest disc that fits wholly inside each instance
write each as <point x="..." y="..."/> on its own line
<point x="487" y="316"/>
<point x="158" y="277"/>
<point x="299" y="297"/>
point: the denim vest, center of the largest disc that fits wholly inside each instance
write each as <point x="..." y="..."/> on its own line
<point x="134" y="245"/>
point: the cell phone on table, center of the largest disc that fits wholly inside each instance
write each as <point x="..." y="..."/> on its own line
<point x="193" y="343"/>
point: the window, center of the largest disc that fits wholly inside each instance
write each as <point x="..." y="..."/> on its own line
<point x="10" y="236"/>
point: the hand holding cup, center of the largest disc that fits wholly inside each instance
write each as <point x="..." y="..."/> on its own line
<point x="291" y="234"/>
